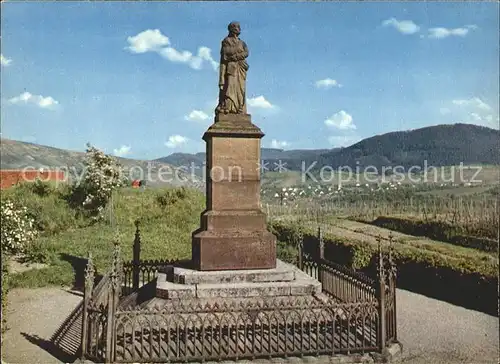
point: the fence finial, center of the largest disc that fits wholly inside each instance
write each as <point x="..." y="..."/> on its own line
<point x="136" y="256"/>
<point x="390" y="257"/>
<point x="89" y="272"/>
<point x="380" y="265"/>
<point x="116" y="267"/>
<point x="137" y="238"/>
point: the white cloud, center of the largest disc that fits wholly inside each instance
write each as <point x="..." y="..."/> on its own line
<point x="175" y="141"/>
<point x="5" y="61"/>
<point x="343" y="141"/>
<point x="195" y="62"/>
<point x="205" y="54"/>
<point x="440" y="33"/>
<point x="444" y="111"/>
<point x="402" y="26"/>
<point x="38" y="100"/>
<point x="154" y="41"/>
<point x="147" y="41"/>
<point x="474" y="102"/>
<point x="341" y="120"/>
<point x="279" y="144"/>
<point x="475" y="111"/>
<point x="122" y="151"/>
<point x="260" y="102"/>
<point x="327" y="83"/>
<point x="196" y="115"/>
<point x="484" y="120"/>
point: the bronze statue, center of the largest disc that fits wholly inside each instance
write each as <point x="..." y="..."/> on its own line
<point x="232" y="73"/>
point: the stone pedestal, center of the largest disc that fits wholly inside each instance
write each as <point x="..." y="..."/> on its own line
<point x="233" y="233"/>
<point x="181" y="282"/>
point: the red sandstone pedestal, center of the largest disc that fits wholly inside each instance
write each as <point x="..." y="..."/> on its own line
<point x="233" y="233"/>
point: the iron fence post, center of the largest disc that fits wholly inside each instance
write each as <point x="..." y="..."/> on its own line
<point x="113" y="298"/>
<point x="87" y="294"/>
<point x="136" y="257"/>
<point x="381" y="287"/>
<point x="321" y="253"/>
<point x="393" y="278"/>
<point x="300" y="247"/>
<point x="321" y="243"/>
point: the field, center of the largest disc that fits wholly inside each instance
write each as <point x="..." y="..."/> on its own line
<point x="445" y="236"/>
<point x="442" y="243"/>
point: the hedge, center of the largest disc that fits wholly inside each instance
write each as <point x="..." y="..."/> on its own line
<point x="461" y="280"/>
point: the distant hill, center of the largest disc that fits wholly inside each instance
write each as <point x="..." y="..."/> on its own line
<point x="439" y="145"/>
<point x="293" y="158"/>
<point x="18" y="155"/>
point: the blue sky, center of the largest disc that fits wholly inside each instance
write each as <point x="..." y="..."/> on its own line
<point x="322" y="74"/>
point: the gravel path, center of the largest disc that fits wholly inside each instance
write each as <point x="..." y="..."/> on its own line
<point x="436" y="332"/>
<point x="432" y="332"/>
<point x="33" y="316"/>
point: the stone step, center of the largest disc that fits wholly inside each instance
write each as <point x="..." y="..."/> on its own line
<point x="297" y="287"/>
<point x="282" y="273"/>
<point x="264" y="289"/>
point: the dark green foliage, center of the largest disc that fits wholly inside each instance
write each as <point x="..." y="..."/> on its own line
<point x="358" y="254"/>
<point x="171" y="196"/>
<point x="41" y="188"/>
<point x="37" y="252"/>
<point x="438" y="230"/>
<point x="286" y="252"/>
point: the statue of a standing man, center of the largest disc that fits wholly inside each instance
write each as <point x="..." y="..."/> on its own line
<point x="232" y="73"/>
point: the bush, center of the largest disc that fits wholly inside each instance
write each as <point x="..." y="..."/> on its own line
<point x="51" y="213"/>
<point x="37" y="252"/>
<point x="286" y="252"/>
<point x="41" y="188"/>
<point x="17" y="228"/>
<point x="17" y="234"/>
<point x="171" y="196"/>
<point x="469" y="279"/>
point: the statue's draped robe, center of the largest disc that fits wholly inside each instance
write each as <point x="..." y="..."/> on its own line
<point x="232" y="76"/>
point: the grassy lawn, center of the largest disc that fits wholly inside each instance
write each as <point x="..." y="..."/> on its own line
<point x="66" y="240"/>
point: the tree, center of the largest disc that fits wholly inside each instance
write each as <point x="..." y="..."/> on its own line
<point x="102" y="175"/>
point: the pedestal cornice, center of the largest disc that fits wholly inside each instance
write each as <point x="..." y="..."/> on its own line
<point x="233" y="125"/>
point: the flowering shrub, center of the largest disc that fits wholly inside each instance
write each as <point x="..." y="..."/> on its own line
<point x="102" y="176"/>
<point x="17" y="228"/>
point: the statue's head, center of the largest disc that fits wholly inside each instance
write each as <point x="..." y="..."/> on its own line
<point x="234" y="28"/>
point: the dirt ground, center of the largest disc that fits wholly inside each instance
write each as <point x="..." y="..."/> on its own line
<point x="431" y="331"/>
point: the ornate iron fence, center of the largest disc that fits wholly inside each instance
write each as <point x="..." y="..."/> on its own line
<point x="359" y="315"/>
<point x="137" y="272"/>
<point x="347" y="285"/>
<point x="342" y="283"/>
<point x="281" y="327"/>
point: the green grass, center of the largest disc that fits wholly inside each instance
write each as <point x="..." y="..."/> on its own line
<point x="165" y="230"/>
